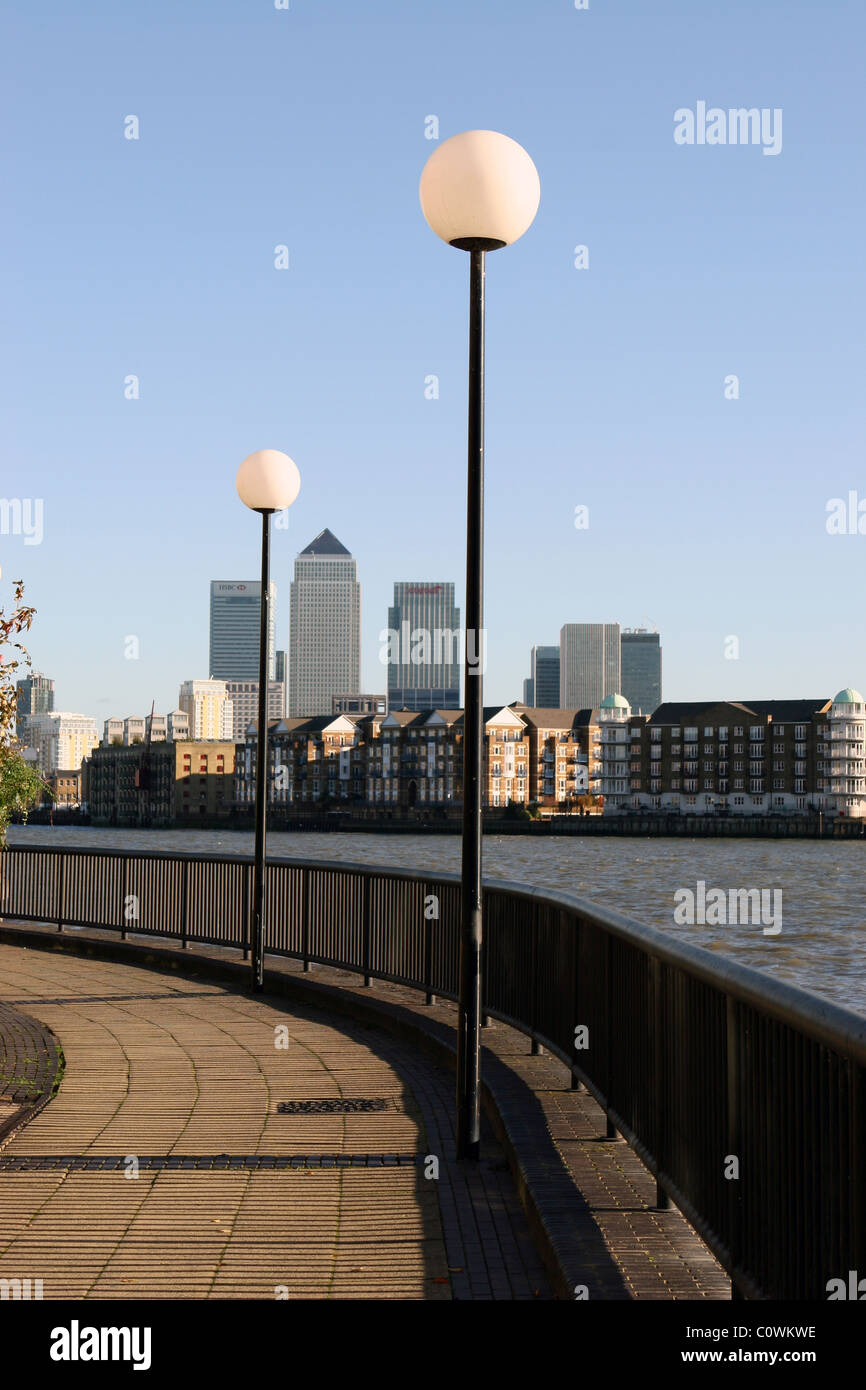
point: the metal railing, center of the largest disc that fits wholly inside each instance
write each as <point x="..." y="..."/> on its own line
<point x="743" y="1095"/>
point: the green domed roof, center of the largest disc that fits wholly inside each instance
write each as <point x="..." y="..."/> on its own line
<point x="615" y="702"/>
<point x="848" y="697"/>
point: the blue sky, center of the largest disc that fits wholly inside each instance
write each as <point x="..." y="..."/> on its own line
<point x="606" y="386"/>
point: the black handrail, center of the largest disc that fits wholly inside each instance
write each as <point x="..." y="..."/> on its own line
<point x="744" y="1095"/>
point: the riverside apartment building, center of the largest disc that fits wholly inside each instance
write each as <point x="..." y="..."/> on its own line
<point x="754" y="757"/>
<point x="410" y="759"/>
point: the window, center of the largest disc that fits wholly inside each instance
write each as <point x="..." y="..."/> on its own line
<point x="690" y="735"/>
<point x="800" y="731"/>
<point x="756" y="733"/>
<point x="723" y="734"/>
<point x="738" y="731"/>
<point x="655" y="735"/>
<point x="708" y="733"/>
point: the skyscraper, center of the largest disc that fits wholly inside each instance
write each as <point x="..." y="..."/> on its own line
<point x="544" y="669"/>
<point x="422" y="647"/>
<point x="641" y="677"/>
<point x="210" y="710"/>
<point x="325" y="626"/>
<point x="35" y="695"/>
<point x="244" y="697"/>
<point x="62" y="741"/>
<point x="589" y="664"/>
<point x="235" y="617"/>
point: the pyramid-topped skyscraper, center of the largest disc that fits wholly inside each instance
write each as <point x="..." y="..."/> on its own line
<point x="325" y="626"/>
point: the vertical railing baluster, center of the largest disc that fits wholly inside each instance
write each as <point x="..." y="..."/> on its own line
<point x="184" y="906"/>
<point x="535" y="1050"/>
<point x="657" y="1018"/>
<point x="856" y="1168"/>
<point x="246" y="910"/>
<point x="734" y="1134"/>
<point x="305" y="917"/>
<point x="430" y="997"/>
<point x="576" y="1083"/>
<point x="368" y="979"/>
<point x="60" y="868"/>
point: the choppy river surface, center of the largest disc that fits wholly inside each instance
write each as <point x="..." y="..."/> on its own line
<point x="821" y="947"/>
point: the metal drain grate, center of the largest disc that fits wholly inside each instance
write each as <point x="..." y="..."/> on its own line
<point x="361" y="1105"/>
<point x="110" y="1163"/>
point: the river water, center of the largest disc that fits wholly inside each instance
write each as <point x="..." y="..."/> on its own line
<point x="821" y="945"/>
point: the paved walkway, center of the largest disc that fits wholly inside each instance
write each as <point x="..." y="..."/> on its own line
<point x="165" y="1166"/>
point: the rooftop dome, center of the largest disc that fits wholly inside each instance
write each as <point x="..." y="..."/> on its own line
<point x="848" y="697"/>
<point x="615" y="702"/>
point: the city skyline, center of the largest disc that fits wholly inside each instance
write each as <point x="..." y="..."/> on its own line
<point x="676" y="496"/>
<point x="525" y="686"/>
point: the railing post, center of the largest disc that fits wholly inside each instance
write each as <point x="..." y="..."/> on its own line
<point x="184" y="905"/>
<point x="734" y="1133"/>
<point x="305" y="918"/>
<point x="368" y="979"/>
<point x="663" y="1201"/>
<point x="576" y="1084"/>
<point x="857" y="1159"/>
<point x="430" y="997"/>
<point x="60" y="892"/>
<point x="246" y="917"/>
<point x="535" y="1050"/>
<point x="124" y="884"/>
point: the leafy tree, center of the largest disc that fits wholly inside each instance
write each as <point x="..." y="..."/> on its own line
<point x="21" y="786"/>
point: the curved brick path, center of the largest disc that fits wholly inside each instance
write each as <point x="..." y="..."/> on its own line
<point x="167" y="1070"/>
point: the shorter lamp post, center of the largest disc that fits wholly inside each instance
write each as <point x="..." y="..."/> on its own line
<point x="479" y="191"/>
<point x="267" y="482"/>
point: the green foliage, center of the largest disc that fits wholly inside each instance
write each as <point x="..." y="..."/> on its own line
<point x="21" y="787"/>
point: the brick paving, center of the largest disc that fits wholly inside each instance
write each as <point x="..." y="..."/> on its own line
<point x="163" y="1066"/>
<point x="593" y="1198"/>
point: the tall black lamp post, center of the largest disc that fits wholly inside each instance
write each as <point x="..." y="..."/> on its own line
<point x="479" y="191"/>
<point x="267" y="482"/>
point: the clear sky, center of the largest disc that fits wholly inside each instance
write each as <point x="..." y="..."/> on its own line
<point x="606" y="386"/>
